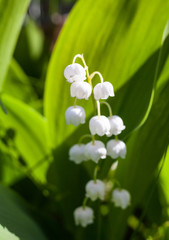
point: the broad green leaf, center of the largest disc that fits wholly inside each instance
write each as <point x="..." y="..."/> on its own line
<point x="17" y="84"/>
<point x="145" y="150"/>
<point x="15" y="217"/>
<point x="134" y="85"/>
<point x="6" y="235"/>
<point x="136" y="172"/>
<point x="12" y="14"/>
<point x="117" y="38"/>
<point x="31" y="137"/>
<point x="165" y="179"/>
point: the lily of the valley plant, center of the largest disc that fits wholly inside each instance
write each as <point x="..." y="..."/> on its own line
<point x="95" y="150"/>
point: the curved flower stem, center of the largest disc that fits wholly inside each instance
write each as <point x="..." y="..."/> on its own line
<point x="116" y="138"/>
<point x="78" y="56"/>
<point x="84" y="63"/>
<point x="85" y="202"/>
<point x="98" y="73"/>
<point x="98" y="108"/>
<point x="109" y="108"/>
<point x="75" y="102"/>
<point x="87" y="74"/>
<point x="85" y="136"/>
<point x="117" y="183"/>
<point x="95" y="173"/>
<point x="93" y="140"/>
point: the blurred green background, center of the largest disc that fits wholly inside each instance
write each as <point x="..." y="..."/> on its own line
<point x="128" y="42"/>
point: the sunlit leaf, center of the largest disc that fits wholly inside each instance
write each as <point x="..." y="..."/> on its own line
<point x="17" y="84"/>
<point x="6" y="235"/>
<point x="165" y="180"/>
<point x="12" y="14"/>
<point x="31" y="137"/>
<point x="117" y="39"/>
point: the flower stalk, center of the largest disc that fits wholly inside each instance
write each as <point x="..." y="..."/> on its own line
<point x="95" y="150"/>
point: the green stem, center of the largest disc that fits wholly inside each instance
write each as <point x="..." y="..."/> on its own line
<point x="84" y="63"/>
<point x="116" y="138"/>
<point x="75" y="102"/>
<point x="109" y="108"/>
<point x="87" y="74"/>
<point x="98" y="73"/>
<point x="83" y="137"/>
<point x="85" y="202"/>
<point x="117" y="183"/>
<point x="93" y="139"/>
<point x="98" y="108"/>
<point x="95" y="174"/>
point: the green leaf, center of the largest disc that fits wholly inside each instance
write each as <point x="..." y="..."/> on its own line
<point x="12" y="15"/>
<point x="31" y="137"/>
<point x="126" y="53"/>
<point x="145" y="150"/>
<point x="6" y="235"/>
<point x="17" y="84"/>
<point x="9" y="173"/>
<point x="165" y="180"/>
<point x="15" y="217"/>
<point x="117" y="39"/>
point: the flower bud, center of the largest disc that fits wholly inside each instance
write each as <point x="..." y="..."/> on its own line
<point x="95" y="190"/>
<point x="74" y="72"/>
<point x="99" y="125"/>
<point x="95" y="151"/>
<point x="116" y="148"/>
<point x="76" y="153"/>
<point x="83" y="216"/>
<point x="75" y="115"/>
<point x="121" y="198"/>
<point x="81" y="90"/>
<point x="116" y="125"/>
<point x="103" y="90"/>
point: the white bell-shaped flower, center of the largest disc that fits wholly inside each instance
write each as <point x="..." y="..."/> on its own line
<point x="74" y="72"/>
<point x="83" y="216"/>
<point x="95" y="190"/>
<point x="103" y="90"/>
<point x="99" y="125"/>
<point x="116" y="148"/>
<point x="76" y="153"/>
<point x="80" y="90"/>
<point x="121" y="198"/>
<point x="75" y="115"/>
<point x="116" y="125"/>
<point x="95" y="151"/>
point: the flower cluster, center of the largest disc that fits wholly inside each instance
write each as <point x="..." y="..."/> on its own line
<point x="100" y="125"/>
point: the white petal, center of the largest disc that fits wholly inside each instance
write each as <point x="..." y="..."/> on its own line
<point x="75" y="115"/>
<point x="121" y="198"/>
<point x="76" y="153"/>
<point x="74" y="72"/>
<point x="116" y="125"/>
<point x="95" y="151"/>
<point x="103" y="90"/>
<point x="116" y="148"/>
<point x="99" y="125"/>
<point x="95" y="190"/>
<point x="83" y="216"/>
<point x="81" y="90"/>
